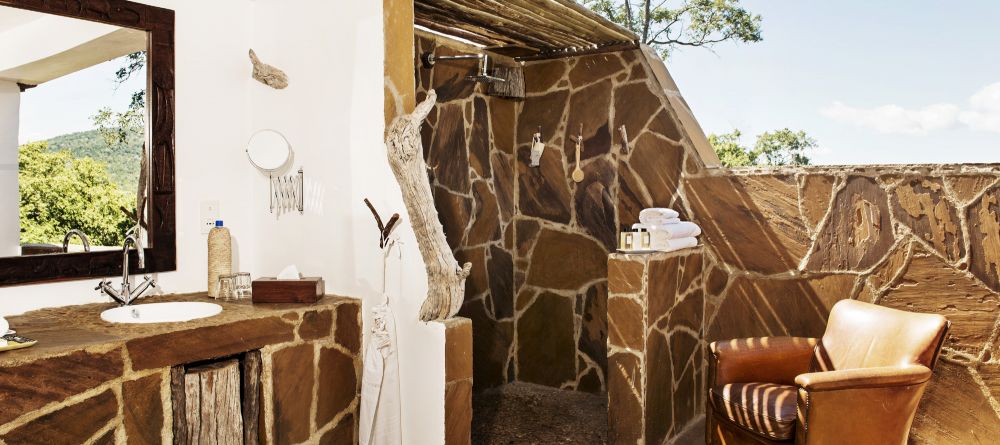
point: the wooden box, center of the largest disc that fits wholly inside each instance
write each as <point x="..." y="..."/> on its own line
<point x="273" y="290"/>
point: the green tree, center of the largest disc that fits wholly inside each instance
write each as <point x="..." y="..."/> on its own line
<point x="665" y="24"/>
<point x="59" y="193"/>
<point x="118" y="128"/>
<point x="780" y="147"/>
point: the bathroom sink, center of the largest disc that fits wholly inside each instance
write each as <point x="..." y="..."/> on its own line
<point x="161" y="312"/>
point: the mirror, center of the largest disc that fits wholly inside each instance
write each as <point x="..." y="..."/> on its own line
<point x="73" y="134"/>
<point x="268" y="150"/>
<point x="86" y="137"/>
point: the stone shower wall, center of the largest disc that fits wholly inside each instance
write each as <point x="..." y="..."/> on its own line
<point x="469" y="146"/>
<point x="792" y="242"/>
<point x="539" y="241"/>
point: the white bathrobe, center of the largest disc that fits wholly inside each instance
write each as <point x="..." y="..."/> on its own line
<point x="380" y="412"/>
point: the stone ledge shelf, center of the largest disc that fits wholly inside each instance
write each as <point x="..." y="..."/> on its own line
<point x="656" y="306"/>
<point x="91" y="381"/>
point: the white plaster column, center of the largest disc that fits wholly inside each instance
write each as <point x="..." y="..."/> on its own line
<point x="10" y="224"/>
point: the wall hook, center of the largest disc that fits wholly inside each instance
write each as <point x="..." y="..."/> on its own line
<point x="537" y="148"/>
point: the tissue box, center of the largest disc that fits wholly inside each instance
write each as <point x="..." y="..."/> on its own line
<point x="273" y="290"/>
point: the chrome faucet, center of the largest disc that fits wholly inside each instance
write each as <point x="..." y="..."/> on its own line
<point x="83" y="239"/>
<point x="127" y="294"/>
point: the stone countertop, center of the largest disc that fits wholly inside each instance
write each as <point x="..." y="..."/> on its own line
<point x="62" y="330"/>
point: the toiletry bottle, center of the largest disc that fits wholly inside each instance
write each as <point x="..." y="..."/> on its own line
<point x="220" y="257"/>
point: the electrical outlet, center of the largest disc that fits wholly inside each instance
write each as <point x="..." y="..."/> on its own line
<point x="209" y="214"/>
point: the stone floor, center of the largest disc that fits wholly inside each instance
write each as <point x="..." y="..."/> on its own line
<point x="524" y="413"/>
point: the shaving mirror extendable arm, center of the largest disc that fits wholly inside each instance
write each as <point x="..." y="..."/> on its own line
<point x="123" y="29"/>
<point x="271" y="153"/>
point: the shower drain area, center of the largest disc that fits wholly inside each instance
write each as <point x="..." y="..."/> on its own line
<point x="525" y="413"/>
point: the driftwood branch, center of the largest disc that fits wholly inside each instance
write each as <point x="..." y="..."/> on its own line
<point x="445" y="278"/>
<point x="268" y="74"/>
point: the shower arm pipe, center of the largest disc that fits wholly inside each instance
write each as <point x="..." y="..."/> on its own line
<point x="429" y="59"/>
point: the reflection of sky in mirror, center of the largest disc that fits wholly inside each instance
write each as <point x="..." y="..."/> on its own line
<point x="66" y="105"/>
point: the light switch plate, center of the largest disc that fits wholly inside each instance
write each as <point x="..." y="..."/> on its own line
<point x="209" y="214"/>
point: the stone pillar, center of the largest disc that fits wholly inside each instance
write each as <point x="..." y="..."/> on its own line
<point x="458" y="381"/>
<point x="10" y="225"/>
<point x="656" y="341"/>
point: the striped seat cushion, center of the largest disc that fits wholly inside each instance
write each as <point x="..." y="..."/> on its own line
<point x="767" y="409"/>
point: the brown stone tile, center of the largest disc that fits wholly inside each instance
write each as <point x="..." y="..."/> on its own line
<point x="143" y="410"/>
<point x="192" y="345"/>
<point x="458" y="412"/>
<point x="931" y="286"/>
<point x="486" y="219"/>
<point x="526" y="233"/>
<point x="479" y="139"/>
<point x="503" y="184"/>
<point x="625" y="410"/>
<point x="684" y="396"/>
<point x="449" y="79"/>
<point x="478" y="281"/>
<point x="632" y="195"/>
<point x="759" y="307"/>
<point x="490" y="345"/>
<point x="67" y="424"/>
<point x="689" y="312"/>
<point x="342" y="434"/>
<point x="293" y="376"/>
<point x="316" y="325"/>
<point x="984" y="234"/>
<point x="592" y="68"/>
<point x="348" y="330"/>
<point x="662" y="275"/>
<point x="954" y="410"/>
<point x="589" y="107"/>
<point x="731" y="213"/>
<point x="594" y="325"/>
<point x="921" y="204"/>
<point x="542" y="76"/>
<point x="458" y="349"/>
<point x="30" y="386"/>
<point x="503" y="117"/>
<point x="657" y="164"/>
<point x="815" y="198"/>
<point x="659" y="388"/>
<point x="501" y="272"/>
<point x="625" y="323"/>
<point x="545" y="111"/>
<point x="886" y="273"/>
<point x="107" y="438"/>
<point x="664" y="125"/>
<point x="338" y="384"/>
<point x="691" y="274"/>
<point x="546" y="347"/>
<point x="448" y="157"/>
<point x="635" y="105"/>
<point x="566" y="261"/>
<point x="625" y="275"/>
<point x="858" y="233"/>
<point x="715" y="281"/>
<point x="966" y="188"/>
<point x="454" y="212"/>
<point x="638" y="72"/>
<point x="595" y="206"/>
<point x="543" y="192"/>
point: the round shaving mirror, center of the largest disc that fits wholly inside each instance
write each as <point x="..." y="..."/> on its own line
<point x="268" y="150"/>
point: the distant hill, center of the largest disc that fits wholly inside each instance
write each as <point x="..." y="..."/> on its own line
<point x="122" y="163"/>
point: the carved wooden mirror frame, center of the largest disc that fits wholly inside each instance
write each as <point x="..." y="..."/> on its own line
<point x="161" y="256"/>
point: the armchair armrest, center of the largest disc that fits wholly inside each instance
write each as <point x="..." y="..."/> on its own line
<point x="880" y="377"/>
<point x="767" y="359"/>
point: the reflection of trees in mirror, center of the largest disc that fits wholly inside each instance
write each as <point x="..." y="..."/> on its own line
<point x="118" y="127"/>
<point x="60" y="192"/>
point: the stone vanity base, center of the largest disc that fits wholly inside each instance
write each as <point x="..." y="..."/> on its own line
<point x="656" y="306"/>
<point x="88" y="381"/>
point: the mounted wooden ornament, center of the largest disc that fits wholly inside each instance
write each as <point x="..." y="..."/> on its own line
<point x="445" y="278"/>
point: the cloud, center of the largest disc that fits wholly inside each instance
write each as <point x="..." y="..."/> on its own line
<point x="981" y="114"/>
<point x="894" y="119"/>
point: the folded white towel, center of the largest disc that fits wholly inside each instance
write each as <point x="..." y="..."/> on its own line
<point x="657" y="213"/>
<point x="671" y="231"/>
<point x="660" y="221"/>
<point x="670" y="245"/>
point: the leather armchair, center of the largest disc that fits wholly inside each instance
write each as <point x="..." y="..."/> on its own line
<point x="859" y="384"/>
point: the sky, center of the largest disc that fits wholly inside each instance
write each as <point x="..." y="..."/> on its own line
<point x="65" y="105"/>
<point x="874" y="82"/>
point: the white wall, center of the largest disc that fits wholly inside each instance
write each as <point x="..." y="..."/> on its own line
<point x="10" y="227"/>
<point x="332" y="115"/>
